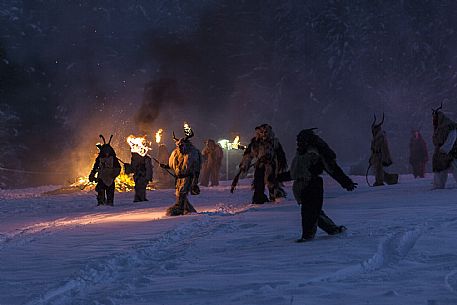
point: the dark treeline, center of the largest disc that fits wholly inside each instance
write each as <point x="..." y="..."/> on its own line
<point x="72" y="69"/>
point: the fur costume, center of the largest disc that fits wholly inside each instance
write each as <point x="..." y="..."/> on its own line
<point x="312" y="158"/>
<point x="105" y="170"/>
<point x="380" y="155"/>
<point x="270" y="162"/>
<point x="445" y="152"/>
<point x="442" y="127"/>
<point x="185" y="161"/>
<point x="212" y="155"/>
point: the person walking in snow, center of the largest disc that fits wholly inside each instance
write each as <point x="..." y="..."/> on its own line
<point x="141" y="168"/>
<point x="380" y="155"/>
<point x="185" y="161"/>
<point x="312" y="158"/>
<point x="105" y="170"/>
<point x="271" y="160"/>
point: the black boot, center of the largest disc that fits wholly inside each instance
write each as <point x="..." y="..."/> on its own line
<point x="338" y="230"/>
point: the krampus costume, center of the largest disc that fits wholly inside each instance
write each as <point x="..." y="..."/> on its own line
<point x="418" y="154"/>
<point x="445" y="154"/>
<point x="312" y="158"/>
<point x="185" y="161"/>
<point x="380" y="155"/>
<point x="212" y="160"/>
<point x="107" y="168"/>
<point x="141" y="168"/>
<point x="270" y="161"/>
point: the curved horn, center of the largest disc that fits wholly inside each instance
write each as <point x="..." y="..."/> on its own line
<point x="191" y="134"/>
<point x="110" y="138"/>
<point x="438" y="109"/>
<point x="103" y="138"/>
<point x="382" y="121"/>
<point x="374" y="121"/>
<point x="174" y="137"/>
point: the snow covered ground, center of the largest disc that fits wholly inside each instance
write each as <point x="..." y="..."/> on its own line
<point x="401" y="248"/>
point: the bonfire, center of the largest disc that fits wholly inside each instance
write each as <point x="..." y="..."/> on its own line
<point x="124" y="182"/>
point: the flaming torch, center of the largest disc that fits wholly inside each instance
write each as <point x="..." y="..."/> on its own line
<point x="138" y="145"/>
<point x="159" y="136"/>
<point x="187" y="129"/>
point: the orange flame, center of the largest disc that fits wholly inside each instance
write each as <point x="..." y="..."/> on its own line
<point x="138" y="145"/>
<point x="124" y="183"/>
<point x="159" y="136"/>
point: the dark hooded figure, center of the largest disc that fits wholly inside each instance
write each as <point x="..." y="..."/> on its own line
<point x="445" y="153"/>
<point x="105" y="170"/>
<point x="380" y="155"/>
<point x="185" y="161"/>
<point x="312" y="158"/>
<point x="270" y="162"/>
<point x="418" y="154"/>
<point x="141" y="168"/>
<point x="212" y="155"/>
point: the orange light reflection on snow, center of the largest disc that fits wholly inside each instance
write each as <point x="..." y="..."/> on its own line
<point x="128" y="217"/>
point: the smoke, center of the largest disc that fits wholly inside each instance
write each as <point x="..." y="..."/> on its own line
<point x="78" y="69"/>
<point x="157" y="93"/>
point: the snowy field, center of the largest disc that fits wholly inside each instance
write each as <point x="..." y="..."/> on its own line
<point x="400" y="248"/>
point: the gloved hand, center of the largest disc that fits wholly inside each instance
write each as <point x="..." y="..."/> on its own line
<point x="351" y="186"/>
<point x="92" y="177"/>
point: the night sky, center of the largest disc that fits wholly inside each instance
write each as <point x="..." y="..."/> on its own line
<point x="70" y="70"/>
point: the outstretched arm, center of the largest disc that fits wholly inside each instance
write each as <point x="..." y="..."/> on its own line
<point x="335" y="171"/>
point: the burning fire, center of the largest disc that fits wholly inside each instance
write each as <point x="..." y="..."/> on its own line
<point x="138" y="145"/>
<point x="159" y="135"/>
<point x="236" y="142"/>
<point x="124" y="183"/>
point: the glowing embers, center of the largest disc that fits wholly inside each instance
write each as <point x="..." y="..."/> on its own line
<point x="138" y="145"/>
<point x="124" y="183"/>
<point x="159" y="136"/>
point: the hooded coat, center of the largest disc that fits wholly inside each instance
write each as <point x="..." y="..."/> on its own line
<point x="313" y="157"/>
